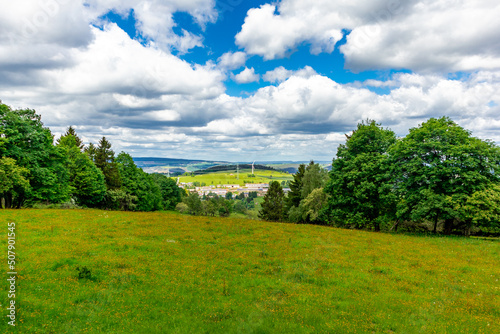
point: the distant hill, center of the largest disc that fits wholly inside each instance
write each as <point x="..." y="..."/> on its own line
<point x="152" y="162"/>
<point x="224" y="168"/>
<point x="176" y="167"/>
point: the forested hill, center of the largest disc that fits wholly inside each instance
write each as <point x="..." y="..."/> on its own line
<point x="223" y="168"/>
<point x="153" y="162"/>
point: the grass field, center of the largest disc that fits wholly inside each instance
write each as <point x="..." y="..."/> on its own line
<point x="261" y="176"/>
<point x="170" y="273"/>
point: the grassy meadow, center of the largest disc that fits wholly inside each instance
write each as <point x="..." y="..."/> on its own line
<point x="261" y="176"/>
<point x="171" y="273"/>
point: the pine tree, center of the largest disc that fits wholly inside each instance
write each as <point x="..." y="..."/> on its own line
<point x="272" y="207"/>
<point x="295" y="194"/>
<point x="71" y="135"/>
<point x="104" y="159"/>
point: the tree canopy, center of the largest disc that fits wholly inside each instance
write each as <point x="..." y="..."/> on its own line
<point x="436" y="169"/>
<point x="359" y="185"/>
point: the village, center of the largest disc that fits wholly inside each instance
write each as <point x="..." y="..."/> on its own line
<point x="223" y="189"/>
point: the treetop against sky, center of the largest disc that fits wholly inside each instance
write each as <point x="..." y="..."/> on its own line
<point x="249" y="80"/>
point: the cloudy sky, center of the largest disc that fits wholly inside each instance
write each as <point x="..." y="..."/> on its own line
<point x="249" y="80"/>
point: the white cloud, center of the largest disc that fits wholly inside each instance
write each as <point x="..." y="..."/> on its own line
<point x="246" y="76"/>
<point x="151" y="103"/>
<point x="421" y="35"/>
<point x="280" y="74"/>
<point x="154" y="19"/>
<point x="232" y="61"/>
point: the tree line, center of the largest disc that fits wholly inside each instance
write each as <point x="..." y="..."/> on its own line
<point x="34" y="169"/>
<point x="438" y="177"/>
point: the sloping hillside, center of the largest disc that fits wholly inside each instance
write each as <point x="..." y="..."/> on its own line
<point x="170" y="273"/>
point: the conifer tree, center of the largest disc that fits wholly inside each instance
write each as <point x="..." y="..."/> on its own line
<point x="104" y="159"/>
<point x="272" y="207"/>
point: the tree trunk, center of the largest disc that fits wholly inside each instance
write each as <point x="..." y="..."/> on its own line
<point x="435" y="224"/>
<point x="395" y="226"/>
<point x="448" y="226"/>
<point x="8" y="200"/>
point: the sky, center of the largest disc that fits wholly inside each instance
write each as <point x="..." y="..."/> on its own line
<point x="244" y="80"/>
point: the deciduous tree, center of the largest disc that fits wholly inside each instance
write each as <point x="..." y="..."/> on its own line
<point x="437" y="167"/>
<point x="359" y="186"/>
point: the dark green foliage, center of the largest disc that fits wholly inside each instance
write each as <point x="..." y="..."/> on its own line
<point x="25" y="140"/>
<point x="139" y="184"/>
<point x="225" y="207"/>
<point x="83" y="273"/>
<point x="359" y="186"/>
<point x="86" y="180"/>
<point x="170" y="192"/>
<point x="294" y="196"/>
<point x="193" y="203"/>
<point x="437" y="167"/>
<point x="118" y="199"/>
<point x="104" y="159"/>
<point x="272" y="207"/>
<point x="239" y="206"/>
<point x="253" y="194"/>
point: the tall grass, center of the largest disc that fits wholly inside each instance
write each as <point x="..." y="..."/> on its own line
<point x="170" y="273"/>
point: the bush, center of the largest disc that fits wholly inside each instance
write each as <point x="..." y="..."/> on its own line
<point x="119" y="200"/>
<point x="182" y="208"/>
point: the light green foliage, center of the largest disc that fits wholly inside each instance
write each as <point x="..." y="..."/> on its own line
<point x="482" y="209"/>
<point x="312" y="206"/>
<point x="272" y="207"/>
<point x="359" y="186"/>
<point x="25" y="140"/>
<point x="437" y="167"/>
<point x="182" y="208"/>
<point x="12" y="179"/>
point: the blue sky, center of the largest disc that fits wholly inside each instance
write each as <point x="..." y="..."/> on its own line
<point x="219" y="39"/>
<point x="249" y="80"/>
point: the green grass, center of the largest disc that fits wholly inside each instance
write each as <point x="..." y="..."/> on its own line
<point x="261" y="176"/>
<point x="170" y="273"/>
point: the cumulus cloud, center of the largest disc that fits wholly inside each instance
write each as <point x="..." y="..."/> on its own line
<point x="155" y="21"/>
<point x="280" y="74"/>
<point x="421" y="35"/>
<point x="246" y="76"/>
<point x="232" y="60"/>
<point x="149" y="102"/>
